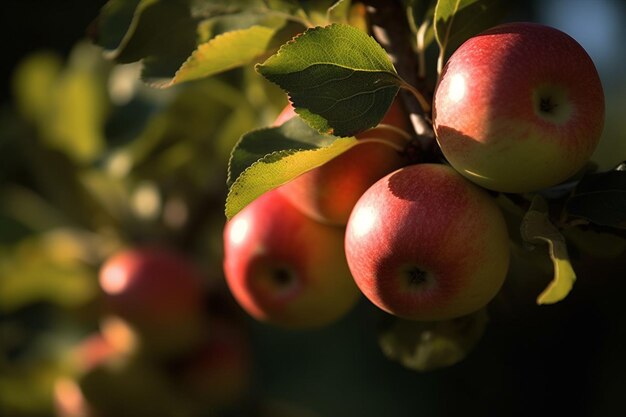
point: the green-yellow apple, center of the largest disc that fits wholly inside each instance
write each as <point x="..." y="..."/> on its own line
<point x="518" y="108"/>
<point x="158" y="291"/>
<point x="424" y="243"/>
<point x="329" y="192"/>
<point x="285" y="268"/>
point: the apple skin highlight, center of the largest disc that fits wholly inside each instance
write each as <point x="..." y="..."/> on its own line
<point x="423" y="243"/>
<point x="518" y="108"/>
<point x="284" y="268"/>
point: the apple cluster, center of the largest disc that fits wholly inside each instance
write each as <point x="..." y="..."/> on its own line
<point x="167" y="344"/>
<point x="517" y="108"/>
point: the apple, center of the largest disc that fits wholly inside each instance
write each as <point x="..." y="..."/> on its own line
<point x="424" y="243"/>
<point x="217" y="373"/>
<point x="328" y="193"/>
<point x="135" y="387"/>
<point x="284" y="268"/>
<point x="518" y="108"/>
<point x="158" y="291"/>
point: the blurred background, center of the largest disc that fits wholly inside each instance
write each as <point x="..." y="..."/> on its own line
<point x="93" y="162"/>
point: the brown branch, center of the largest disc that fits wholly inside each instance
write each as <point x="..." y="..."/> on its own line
<point x="389" y="25"/>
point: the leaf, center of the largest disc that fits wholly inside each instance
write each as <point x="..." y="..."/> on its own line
<point x="601" y="199"/>
<point x="338" y="78"/>
<point x="224" y="52"/>
<point x="339" y="12"/>
<point x="536" y="228"/>
<point x="68" y="105"/>
<point x="113" y="22"/>
<point x="267" y="158"/>
<point x="458" y="20"/>
<point x="34" y="82"/>
<point x="596" y="244"/>
<point x="425" y="346"/>
<point x="49" y="268"/>
<point x="162" y="33"/>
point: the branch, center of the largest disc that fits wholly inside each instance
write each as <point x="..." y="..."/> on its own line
<point x="387" y="19"/>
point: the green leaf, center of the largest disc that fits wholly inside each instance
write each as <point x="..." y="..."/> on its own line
<point x="536" y="228"/>
<point x="596" y="244"/>
<point x="458" y="20"/>
<point x="338" y="78"/>
<point x="34" y="83"/>
<point x="113" y="22"/>
<point x="601" y="199"/>
<point x="49" y="267"/>
<point x="420" y="16"/>
<point x="162" y="33"/>
<point x="69" y="105"/>
<point x="267" y="158"/>
<point x="425" y="346"/>
<point x="225" y="52"/>
<point x="339" y="12"/>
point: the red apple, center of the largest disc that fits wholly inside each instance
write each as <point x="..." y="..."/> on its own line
<point x="423" y="243"/>
<point x="285" y="268"/>
<point x="329" y="192"/>
<point x="158" y="291"/>
<point x="217" y="373"/>
<point x="519" y="107"/>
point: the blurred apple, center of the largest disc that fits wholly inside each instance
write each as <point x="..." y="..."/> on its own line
<point x="159" y="292"/>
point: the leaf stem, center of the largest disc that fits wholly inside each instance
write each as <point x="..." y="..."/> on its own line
<point x="424" y="104"/>
<point x="384" y="142"/>
<point x="421" y="50"/>
<point x="440" y="59"/>
<point x="391" y="128"/>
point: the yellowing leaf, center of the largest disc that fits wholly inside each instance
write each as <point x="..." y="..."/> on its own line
<point x="428" y="345"/>
<point x="35" y="270"/>
<point x="68" y="105"/>
<point x="224" y="52"/>
<point x="536" y="228"/>
<point x="76" y="125"/>
<point x="33" y="84"/>
<point x="277" y="169"/>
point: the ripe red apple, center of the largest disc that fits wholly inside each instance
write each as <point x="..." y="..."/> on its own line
<point x="328" y="193"/>
<point x="519" y="107"/>
<point x="158" y="291"/>
<point x="423" y="243"/>
<point x="285" y="268"/>
<point x="217" y="373"/>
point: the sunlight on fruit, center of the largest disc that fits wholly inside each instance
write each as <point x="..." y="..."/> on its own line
<point x="458" y="88"/>
<point x="114" y="280"/>
<point x="363" y="220"/>
<point x="69" y="399"/>
<point x="119" y="334"/>
<point x="239" y="230"/>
